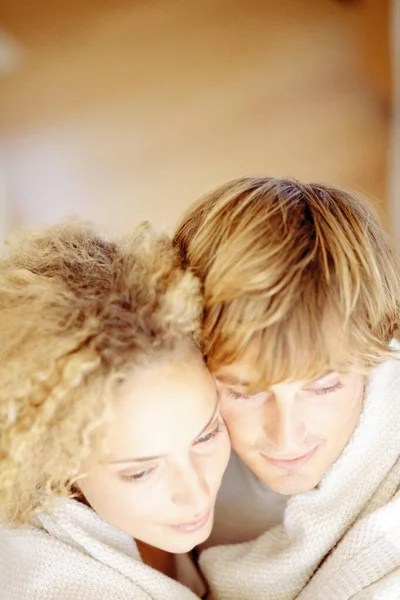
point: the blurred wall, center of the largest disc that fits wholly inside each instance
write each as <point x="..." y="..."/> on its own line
<point x="394" y="166"/>
<point x="127" y="110"/>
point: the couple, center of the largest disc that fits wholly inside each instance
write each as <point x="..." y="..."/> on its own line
<point x="114" y="433"/>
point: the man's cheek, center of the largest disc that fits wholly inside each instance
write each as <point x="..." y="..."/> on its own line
<point x="238" y="426"/>
<point x="232" y="420"/>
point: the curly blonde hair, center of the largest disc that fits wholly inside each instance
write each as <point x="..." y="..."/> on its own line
<point x="278" y="259"/>
<point x="76" y="312"/>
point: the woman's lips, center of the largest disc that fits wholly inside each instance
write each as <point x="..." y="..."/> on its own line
<point x="290" y="464"/>
<point x="193" y="526"/>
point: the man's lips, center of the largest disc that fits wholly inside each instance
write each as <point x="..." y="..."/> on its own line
<point x="291" y="463"/>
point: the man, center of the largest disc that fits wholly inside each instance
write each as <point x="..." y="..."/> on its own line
<point x="302" y="299"/>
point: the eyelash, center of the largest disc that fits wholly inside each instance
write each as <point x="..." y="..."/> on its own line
<point x="138" y="476"/>
<point x="208" y="437"/>
<point x="201" y="440"/>
<point x="237" y="395"/>
<point x="320" y="392"/>
<point x="329" y="389"/>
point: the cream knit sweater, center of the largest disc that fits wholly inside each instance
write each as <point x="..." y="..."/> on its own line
<point x="73" y="554"/>
<point x="341" y="540"/>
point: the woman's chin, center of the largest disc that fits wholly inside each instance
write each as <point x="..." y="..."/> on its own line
<point x="181" y="542"/>
<point x="182" y="546"/>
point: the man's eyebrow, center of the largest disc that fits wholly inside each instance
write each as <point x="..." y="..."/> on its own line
<point x="142" y="459"/>
<point x="322" y="376"/>
<point x="232" y="380"/>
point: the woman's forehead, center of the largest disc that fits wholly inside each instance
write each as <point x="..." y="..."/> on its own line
<point x="160" y="412"/>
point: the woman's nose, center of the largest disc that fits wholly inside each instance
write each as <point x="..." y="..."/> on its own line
<point x="190" y="489"/>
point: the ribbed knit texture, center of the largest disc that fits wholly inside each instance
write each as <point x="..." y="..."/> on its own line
<point x="73" y="554"/>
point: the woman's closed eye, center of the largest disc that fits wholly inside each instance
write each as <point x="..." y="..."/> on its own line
<point x="139" y="475"/>
<point x="205" y="438"/>
<point x="211" y="435"/>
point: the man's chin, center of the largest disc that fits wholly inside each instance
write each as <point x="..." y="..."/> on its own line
<point x="287" y="483"/>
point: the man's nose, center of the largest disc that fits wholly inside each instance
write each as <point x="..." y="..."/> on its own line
<point x="284" y="424"/>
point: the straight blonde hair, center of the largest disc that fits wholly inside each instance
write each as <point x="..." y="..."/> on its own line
<point x="300" y="274"/>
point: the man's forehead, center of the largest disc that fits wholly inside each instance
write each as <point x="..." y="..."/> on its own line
<point x="241" y="372"/>
<point x="246" y="376"/>
<point x="237" y="374"/>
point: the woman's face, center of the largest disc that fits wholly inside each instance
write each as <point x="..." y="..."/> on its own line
<point x="167" y="449"/>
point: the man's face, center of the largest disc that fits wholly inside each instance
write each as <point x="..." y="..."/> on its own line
<point x="290" y="434"/>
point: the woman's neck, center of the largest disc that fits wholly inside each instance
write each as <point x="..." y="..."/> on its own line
<point x="162" y="561"/>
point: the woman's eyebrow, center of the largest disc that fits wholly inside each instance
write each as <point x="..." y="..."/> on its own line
<point x="142" y="459"/>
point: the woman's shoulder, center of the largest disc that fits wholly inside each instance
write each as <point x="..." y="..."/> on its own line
<point x="71" y="553"/>
<point x="36" y="565"/>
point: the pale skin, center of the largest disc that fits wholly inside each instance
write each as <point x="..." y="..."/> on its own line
<point x="167" y="449"/>
<point x="290" y="434"/>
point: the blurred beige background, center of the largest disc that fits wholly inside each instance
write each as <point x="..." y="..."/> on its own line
<point x="121" y="110"/>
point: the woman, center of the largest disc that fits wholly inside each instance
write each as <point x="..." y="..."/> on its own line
<point x="109" y="420"/>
